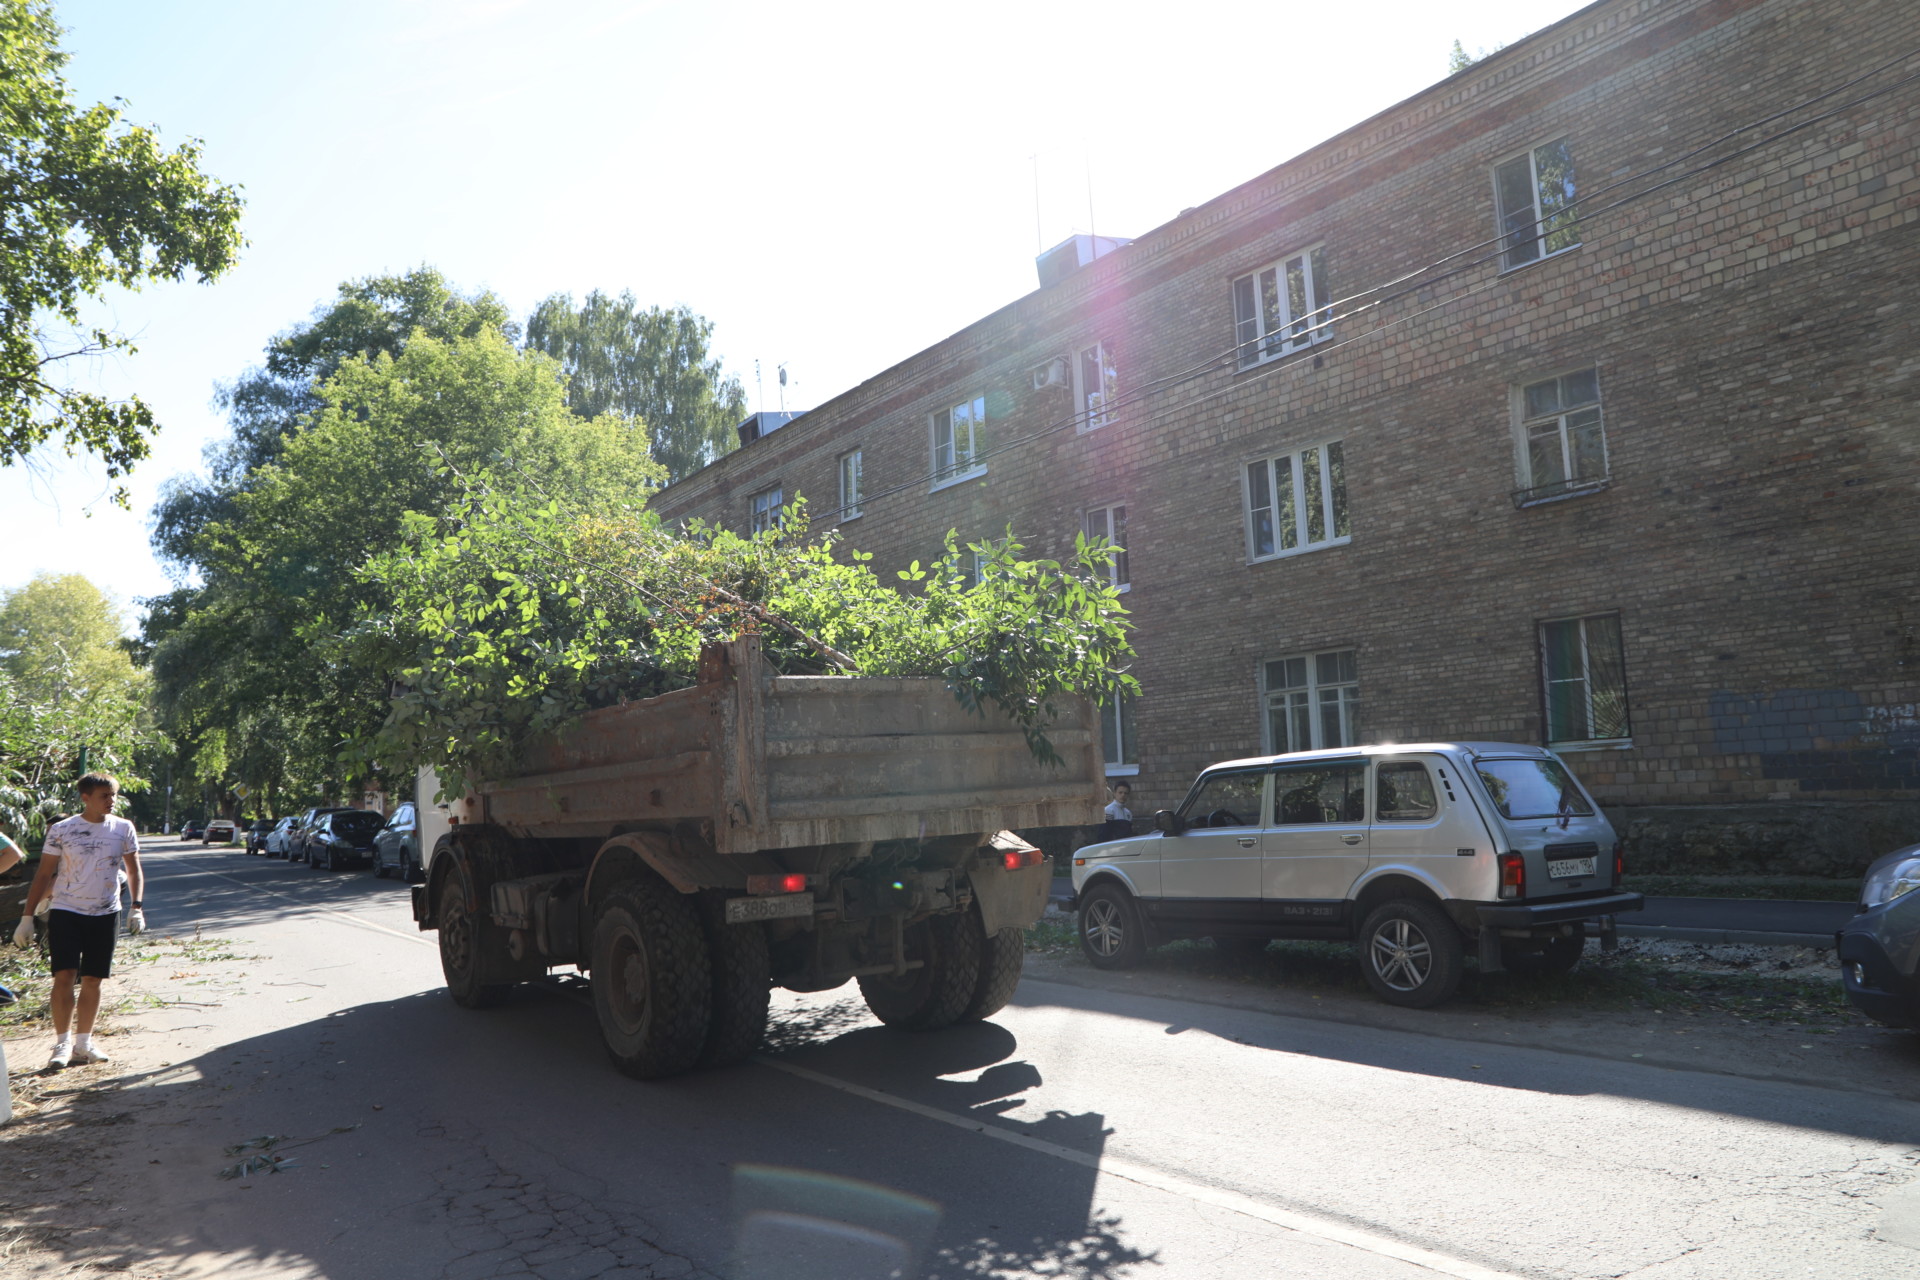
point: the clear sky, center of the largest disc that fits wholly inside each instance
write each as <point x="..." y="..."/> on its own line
<point x="835" y="185"/>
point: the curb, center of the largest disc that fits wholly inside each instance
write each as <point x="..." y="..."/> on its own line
<point x="1751" y="937"/>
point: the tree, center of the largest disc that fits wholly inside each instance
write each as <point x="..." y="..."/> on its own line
<point x="651" y="366"/>
<point x="86" y="202"/>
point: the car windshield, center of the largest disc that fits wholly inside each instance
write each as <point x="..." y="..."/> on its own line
<point x="1533" y="789"/>
<point x="357" y="824"/>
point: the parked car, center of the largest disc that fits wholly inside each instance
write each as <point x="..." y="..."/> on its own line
<point x="257" y="834"/>
<point x="299" y="839"/>
<point x="193" y="829"/>
<point x="274" y="843"/>
<point x="1880" y="947"/>
<point x="221" y="829"/>
<point x="397" y="847"/>
<point x="343" y="837"/>
<point x="1418" y="854"/>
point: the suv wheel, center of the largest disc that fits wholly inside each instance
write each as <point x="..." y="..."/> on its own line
<point x="1411" y="953"/>
<point x="1111" y="933"/>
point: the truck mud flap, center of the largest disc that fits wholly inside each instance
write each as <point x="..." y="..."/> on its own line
<point x="422" y="908"/>
<point x="1010" y="899"/>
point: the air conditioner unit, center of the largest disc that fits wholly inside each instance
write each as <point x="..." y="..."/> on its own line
<point x="1051" y="374"/>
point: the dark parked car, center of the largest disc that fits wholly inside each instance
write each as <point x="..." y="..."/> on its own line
<point x="257" y="835"/>
<point x="300" y="835"/>
<point x="194" y="830"/>
<point x="342" y="837"/>
<point x="397" y="847"/>
<point x="1880" y="946"/>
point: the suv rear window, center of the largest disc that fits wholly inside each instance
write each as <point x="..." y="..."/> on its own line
<point x="1532" y="789"/>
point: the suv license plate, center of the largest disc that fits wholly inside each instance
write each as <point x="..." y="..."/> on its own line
<point x="746" y="910"/>
<point x="1567" y="868"/>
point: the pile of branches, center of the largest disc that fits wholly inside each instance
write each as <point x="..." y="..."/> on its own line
<point x="514" y="612"/>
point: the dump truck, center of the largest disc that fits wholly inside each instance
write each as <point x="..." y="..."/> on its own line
<point x="690" y="852"/>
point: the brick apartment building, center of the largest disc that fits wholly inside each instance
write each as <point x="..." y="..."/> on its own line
<point x="1571" y="400"/>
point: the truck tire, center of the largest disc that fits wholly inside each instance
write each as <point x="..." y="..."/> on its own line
<point x="1001" y="958"/>
<point x="1411" y="953"/>
<point x="652" y="979"/>
<point x="939" y="992"/>
<point x="742" y="985"/>
<point x="462" y="935"/>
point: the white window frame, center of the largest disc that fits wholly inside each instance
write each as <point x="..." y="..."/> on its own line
<point x="1255" y="341"/>
<point x="850" y="484"/>
<point x="951" y="465"/>
<point x="766" y="515"/>
<point x="1532" y="490"/>
<point x="1120" y="572"/>
<point x="1118" y="717"/>
<point x="1092" y="403"/>
<point x="1539" y="221"/>
<point x="1584" y="678"/>
<point x="1297" y="479"/>
<point x="1313" y="701"/>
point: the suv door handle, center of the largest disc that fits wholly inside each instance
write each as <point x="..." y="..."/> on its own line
<point x="1247" y="842"/>
<point x="1351" y="839"/>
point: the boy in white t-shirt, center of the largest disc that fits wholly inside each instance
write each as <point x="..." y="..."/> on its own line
<point x="80" y="867"/>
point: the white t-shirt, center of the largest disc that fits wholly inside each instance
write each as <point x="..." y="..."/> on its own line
<point x="92" y="856"/>
<point x="1117" y="812"/>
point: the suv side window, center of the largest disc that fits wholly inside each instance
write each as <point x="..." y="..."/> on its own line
<point x="1320" y="793"/>
<point x="1226" y="800"/>
<point x="1404" y="793"/>
<point x="402" y="819"/>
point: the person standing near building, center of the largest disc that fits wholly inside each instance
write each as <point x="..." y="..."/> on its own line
<point x="80" y="867"/>
<point x="1119" y="818"/>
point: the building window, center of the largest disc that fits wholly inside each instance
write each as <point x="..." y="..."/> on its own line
<point x="769" y="508"/>
<point x="1564" y="448"/>
<point x="1311" y="701"/>
<point x="1281" y="308"/>
<point x="1535" y="195"/>
<point x="1095" y="385"/>
<point x="1583" y="674"/>
<point x="850" y="485"/>
<point x="1111" y="523"/>
<point x="957" y="443"/>
<point x="1116" y="737"/>
<point x="1297" y="502"/>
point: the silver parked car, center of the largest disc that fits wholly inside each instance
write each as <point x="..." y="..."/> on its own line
<point x="1419" y="854"/>
<point x="274" y="843"/>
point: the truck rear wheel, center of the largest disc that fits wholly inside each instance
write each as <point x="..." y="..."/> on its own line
<point x="1001" y="958"/>
<point x="939" y="992"/>
<point x="742" y="986"/>
<point x="461" y="937"/>
<point x="652" y="979"/>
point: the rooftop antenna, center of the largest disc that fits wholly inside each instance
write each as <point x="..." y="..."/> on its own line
<point x="1039" y="243"/>
<point x="762" y="386"/>
<point x="1086" y="154"/>
<point x="783" y="388"/>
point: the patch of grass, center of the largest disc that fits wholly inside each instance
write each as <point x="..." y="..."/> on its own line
<point x="1053" y="936"/>
<point x="1794" y="888"/>
<point x="25" y="974"/>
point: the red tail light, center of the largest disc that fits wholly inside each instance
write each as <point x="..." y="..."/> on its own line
<point x="1017" y="859"/>
<point x="791" y="882"/>
<point x="1619" y="864"/>
<point x="1513" y="876"/>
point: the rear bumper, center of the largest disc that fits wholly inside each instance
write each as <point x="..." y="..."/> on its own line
<point x="1526" y="915"/>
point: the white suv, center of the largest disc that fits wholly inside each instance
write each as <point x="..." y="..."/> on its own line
<point x="1414" y="852"/>
<point x="221" y="829"/>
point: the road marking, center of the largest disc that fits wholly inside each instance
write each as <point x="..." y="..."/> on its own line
<point x="1146" y="1176"/>
<point x="325" y="911"/>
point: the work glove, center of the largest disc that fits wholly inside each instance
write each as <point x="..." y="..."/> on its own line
<point x="136" y="921"/>
<point x="23" y="932"/>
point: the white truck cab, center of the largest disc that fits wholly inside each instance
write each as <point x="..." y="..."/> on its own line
<point x="1415" y="852"/>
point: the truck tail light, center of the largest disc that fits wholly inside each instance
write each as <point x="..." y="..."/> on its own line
<point x="1619" y="864"/>
<point x="1513" y="876"/>
<point x="1019" y="859"/>
<point x="764" y="886"/>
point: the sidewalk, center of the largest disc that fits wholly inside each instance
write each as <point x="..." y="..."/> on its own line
<point x="1755" y="921"/>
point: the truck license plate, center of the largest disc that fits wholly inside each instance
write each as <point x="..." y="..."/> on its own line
<point x="744" y="910"/>
<point x="1567" y="868"/>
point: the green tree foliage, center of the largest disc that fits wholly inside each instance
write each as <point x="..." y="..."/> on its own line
<point x="650" y="365"/>
<point x="68" y="691"/>
<point x="247" y="653"/>
<point x="520" y="609"/>
<point x="87" y="202"/>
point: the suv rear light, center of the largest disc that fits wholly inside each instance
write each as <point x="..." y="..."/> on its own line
<point x="1513" y="876"/>
<point x="1619" y="864"/>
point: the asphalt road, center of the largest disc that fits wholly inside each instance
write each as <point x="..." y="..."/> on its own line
<point x="1086" y="1131"/>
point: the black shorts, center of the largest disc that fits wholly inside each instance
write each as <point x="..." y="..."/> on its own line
<point x="82" y="942"/>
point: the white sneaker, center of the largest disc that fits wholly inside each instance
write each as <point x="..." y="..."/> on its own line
<point x="92" y="1053"/>
<point x="62" y="1054"/>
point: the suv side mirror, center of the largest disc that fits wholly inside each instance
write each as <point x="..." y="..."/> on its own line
<point x="1168" y="823"/>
